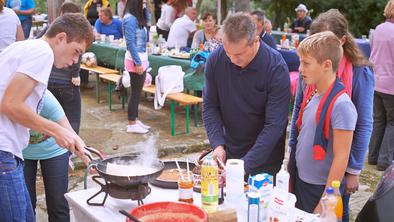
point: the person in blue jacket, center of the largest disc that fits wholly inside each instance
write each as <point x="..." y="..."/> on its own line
<point x="357" y="76"/>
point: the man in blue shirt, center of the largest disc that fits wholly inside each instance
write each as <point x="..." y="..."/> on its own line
<point x="107" y="25"/>
<point x="259" y="19"/>
<point x="24" y="9"/>
<point x="246" y="98"/>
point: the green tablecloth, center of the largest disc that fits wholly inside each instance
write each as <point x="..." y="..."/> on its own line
<point x="112" y="56"/>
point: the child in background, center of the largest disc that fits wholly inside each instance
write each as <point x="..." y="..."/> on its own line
<point x="325" y="124"/>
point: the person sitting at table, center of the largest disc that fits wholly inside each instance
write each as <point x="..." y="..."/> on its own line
<point x="167" y="17"/>
<point x="11" y="29"/>
<point x="245" y="98"/>
<point x="182" y="29"/>
<point x="259" y="19"/>
<point x="209" y="31"/>
<point x="25" y="12"/>
<point x="92" y="8"/>
<point x="136" y="60"/>
<point x="53" y="163"/>
<point x="108" y="25"/>
<point x="355" y="73"/>
<point x="303" y="22"/>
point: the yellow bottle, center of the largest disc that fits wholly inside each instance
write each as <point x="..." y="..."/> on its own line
<point x="339" y="208"/>
<point x="209" y="185"/>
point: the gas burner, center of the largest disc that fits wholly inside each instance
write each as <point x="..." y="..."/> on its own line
<point x="134" y="192"/>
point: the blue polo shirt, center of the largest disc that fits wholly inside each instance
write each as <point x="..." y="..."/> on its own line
<point x="25" y="5"/>
<point x="246" y="110"/>
<point x="115" y="28"/>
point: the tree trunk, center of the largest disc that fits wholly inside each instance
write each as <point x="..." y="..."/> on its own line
<point x="242" y="5"/>
<point x="54" y="9"/>
<point x="223" y="10"/>
<point x="198" y="5"/>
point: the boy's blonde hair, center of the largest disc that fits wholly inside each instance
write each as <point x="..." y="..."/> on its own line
<point x="389" y="10"/>
<point x="322" y="46"/>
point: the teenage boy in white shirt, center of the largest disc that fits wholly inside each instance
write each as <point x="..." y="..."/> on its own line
<point x="26" y="66"/>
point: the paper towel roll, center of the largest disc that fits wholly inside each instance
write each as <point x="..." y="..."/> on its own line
<point x="234" y="180"/>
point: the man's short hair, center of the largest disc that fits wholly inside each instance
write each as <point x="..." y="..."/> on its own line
<point x="260" y="15"/>
<point x="107" y="11"/>
<point x="322" y="46"/>
<point x="69" y="7"/>
<point x="240" y="26"/>
<point x="75" y="25"/>
<point x="389" y="10"/>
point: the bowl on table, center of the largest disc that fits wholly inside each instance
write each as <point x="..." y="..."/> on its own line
<point x="169" y="212"/>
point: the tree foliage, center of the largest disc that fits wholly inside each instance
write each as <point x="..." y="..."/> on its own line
<point x="362" y="15"/>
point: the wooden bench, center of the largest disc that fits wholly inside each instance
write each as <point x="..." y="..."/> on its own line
<point x="111" y="80"/>
<point x="184" y="100"/>
<point x="99" y="70"/>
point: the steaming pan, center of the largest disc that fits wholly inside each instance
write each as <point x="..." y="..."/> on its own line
<point x="101" y="166"/>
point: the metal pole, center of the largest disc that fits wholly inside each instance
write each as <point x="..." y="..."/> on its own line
<point x="53" y="9"/>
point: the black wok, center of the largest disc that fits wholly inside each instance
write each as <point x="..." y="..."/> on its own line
<point x="125" y="181"/>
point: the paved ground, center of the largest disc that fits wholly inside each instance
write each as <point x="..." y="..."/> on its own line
<point x="106" y="131"/>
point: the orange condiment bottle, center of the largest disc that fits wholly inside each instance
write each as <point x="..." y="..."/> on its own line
<point x="339" y="208"/>
<point x="201" y="47"/>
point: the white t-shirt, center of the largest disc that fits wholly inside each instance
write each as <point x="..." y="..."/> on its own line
<point x="180" y="31"/>
<point x="33" y="58"/>
<point x="9" y="22"/>
<point x="167" y="17"/>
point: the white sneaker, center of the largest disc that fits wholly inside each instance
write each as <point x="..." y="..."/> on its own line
<point x="135" y="128"/>
<point x="142" y="125"/>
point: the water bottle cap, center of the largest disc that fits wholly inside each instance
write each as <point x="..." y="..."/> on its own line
<point x="329" y="190"/>
<point x="336" y="184"/>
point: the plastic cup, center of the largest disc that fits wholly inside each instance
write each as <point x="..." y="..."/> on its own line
<point x="102" y="37"/>
<point x="111" y="38"/>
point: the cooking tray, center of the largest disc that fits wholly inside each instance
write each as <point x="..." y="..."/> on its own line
<point x="171" y="165"/>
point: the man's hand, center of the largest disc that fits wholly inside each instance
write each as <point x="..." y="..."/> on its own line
<point x="139" y="69"/>
<point x="219" y="153"/>
<point x="68" y="139"/>
<point x="76" y="81"/>
<point x="352" y="182"/>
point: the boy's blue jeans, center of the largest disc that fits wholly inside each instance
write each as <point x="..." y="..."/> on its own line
<point x="15" y="204"/>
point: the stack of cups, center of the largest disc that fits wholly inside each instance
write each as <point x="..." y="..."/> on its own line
<point x="234" y="182"/>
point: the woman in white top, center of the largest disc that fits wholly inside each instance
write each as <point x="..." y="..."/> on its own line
<point x="168" y="15"/>
<point x="11" y="29"/>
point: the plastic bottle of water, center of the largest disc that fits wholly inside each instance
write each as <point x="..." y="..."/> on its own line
<point x="209" y="185"/>
<point x="283" y="177"/>
<point x="329" y="202"/>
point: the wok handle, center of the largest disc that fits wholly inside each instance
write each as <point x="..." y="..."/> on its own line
<point x="89" y="150"/>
